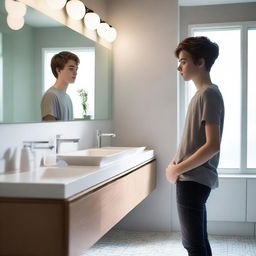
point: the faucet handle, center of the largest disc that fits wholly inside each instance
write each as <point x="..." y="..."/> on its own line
<point x="100" y="134"/>
<point x="58" y="136"/>
<point x="32" y="144"/>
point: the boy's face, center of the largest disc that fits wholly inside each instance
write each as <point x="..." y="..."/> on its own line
<point x="187" y="68"/>
<point x="68" y="73"/>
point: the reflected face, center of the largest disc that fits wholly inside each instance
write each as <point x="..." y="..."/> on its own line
<point x="68" y="73"/>
<point x="187" y="68"/>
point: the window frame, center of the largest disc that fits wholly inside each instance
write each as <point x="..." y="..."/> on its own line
<point x="183" y="92"/>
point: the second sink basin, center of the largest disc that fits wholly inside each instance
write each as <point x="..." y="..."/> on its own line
<point x="98" y="156"/>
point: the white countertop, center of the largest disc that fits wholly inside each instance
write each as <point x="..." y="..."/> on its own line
<point x="62" y="183"/>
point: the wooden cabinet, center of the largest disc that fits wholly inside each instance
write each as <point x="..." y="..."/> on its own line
<point x="93" y="214"/>
<point x="228" y="201"/>
<point x="69" y="227"/>
<point x="251" y="202"/>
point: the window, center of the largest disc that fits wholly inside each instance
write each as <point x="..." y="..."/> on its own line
<point x="85" y="78"/>
<point x="251" y="114"/>
<point x="233" y="72"/>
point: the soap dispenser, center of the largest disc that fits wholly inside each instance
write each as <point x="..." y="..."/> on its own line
<point x="27" y="159"/>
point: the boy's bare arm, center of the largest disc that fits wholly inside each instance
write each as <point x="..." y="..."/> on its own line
<point x="203" y="154"/>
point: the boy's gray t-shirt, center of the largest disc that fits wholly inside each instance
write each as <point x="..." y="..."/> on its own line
<point x="206" y="105"/>
<point x="57" y="103"/>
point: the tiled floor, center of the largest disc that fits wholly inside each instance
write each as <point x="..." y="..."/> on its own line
<point x="128" y="243"/>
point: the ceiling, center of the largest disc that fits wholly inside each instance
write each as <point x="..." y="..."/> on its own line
<point x="211" y="2"/>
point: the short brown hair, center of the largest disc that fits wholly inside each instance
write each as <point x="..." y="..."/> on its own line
<point x="60" y="59"/>
<point x="199" y="47"/>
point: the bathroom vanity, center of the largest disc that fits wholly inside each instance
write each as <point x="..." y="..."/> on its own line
<point x="63" y="211"/>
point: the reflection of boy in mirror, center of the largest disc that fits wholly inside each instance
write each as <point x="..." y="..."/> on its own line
<point x="56" y="104"/>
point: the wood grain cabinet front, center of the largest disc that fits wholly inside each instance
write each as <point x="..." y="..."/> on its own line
<point x="40" y="227"/>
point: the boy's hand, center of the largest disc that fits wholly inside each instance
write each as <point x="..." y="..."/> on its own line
<point x="171" y="172"/>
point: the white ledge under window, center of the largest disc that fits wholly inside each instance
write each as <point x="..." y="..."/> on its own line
<point x="238" y="175"/>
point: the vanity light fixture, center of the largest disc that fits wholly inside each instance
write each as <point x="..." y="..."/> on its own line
<point x="75" y="9"/>
<point x="56" y="4"/>
<point x="112" y="34"/>
<point x="107" y="32"/>
<point x="16" y="12"/>
<point x="15" y="8"/>
<point x="91" y="19"/>
<point x="102" y="30"/>
<point x="15" y="23"/>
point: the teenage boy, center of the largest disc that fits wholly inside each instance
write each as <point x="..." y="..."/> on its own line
<point x="56" y="104"/>
<point x="194" y="166"/>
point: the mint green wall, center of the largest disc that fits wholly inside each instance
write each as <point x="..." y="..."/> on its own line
<point x="23" y="76"/>
<point x="17" y="92"/>
<point x="103" y="83"/>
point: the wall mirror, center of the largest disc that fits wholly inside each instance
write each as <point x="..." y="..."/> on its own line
<point x="25" y="71"/>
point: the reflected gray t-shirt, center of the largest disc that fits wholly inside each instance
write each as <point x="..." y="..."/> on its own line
<point x="57" y="103"/>
<point x="206" y="105"/>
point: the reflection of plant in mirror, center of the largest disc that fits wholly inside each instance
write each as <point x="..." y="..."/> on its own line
<point x="83" y="94"/>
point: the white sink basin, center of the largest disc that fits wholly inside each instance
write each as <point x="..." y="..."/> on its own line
<point x="98" y="156"/>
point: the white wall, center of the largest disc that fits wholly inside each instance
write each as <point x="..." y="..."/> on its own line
<point x="12" y="135"/>
<point x="145" y="95"/>
<point x="215" y="14"/>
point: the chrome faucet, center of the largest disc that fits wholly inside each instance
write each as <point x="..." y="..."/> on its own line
<point x="99" y="134"/>
<point x="59" y="140"/>
<point x="32" y="159"/>
<point x="32" y="144"/>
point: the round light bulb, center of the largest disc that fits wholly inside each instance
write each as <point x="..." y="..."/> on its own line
<point x="91" y="20"/>
<point x="112" y="34"/>
<point x="56" y="4"/>
<point x="75" y="9"/>
<point x="15" y="8"/>
<point x="102" y="30"/>
<point x="15" y="23"/>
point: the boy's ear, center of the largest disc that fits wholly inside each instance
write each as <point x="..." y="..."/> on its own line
<point x="57" y="70"/>
<point x="201" y="62"/>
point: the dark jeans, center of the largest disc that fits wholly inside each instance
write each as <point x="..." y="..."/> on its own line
<point x="191" y="199"/>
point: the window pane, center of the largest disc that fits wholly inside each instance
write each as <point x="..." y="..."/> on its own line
<point x="251" y="123"/>
<point x="226" y="74"/>
<point x="85" y="80"/>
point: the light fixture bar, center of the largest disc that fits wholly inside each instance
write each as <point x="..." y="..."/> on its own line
<point x="92" y="21"/>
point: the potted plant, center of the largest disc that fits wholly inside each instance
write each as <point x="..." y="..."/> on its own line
<point x="84" y="96"/>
